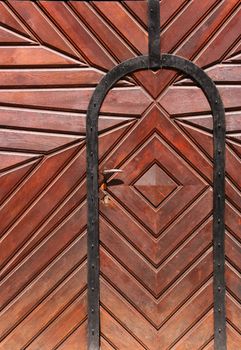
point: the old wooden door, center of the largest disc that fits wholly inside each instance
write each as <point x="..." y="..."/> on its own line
<point x="156" y="217"/>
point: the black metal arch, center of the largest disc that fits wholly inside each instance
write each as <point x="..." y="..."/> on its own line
<point x="214" y="99"/>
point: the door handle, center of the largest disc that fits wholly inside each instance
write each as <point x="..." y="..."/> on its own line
<point x="106" y="174"/>
<point x="111" y="171"/>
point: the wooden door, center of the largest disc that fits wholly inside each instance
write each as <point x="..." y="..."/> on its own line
<point x="156" y="221"/>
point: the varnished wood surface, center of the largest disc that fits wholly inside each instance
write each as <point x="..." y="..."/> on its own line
<point x="156" y="230"/>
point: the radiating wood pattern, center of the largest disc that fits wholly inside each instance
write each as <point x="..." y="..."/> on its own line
<point x="156" y="227"/>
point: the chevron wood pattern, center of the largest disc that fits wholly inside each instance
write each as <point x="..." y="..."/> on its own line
<point x="156" y="226"/>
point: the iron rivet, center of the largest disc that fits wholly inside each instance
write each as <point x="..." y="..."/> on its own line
<point x="219" y="289"/>
<point x="219" y="196"/>
<point x="93" y="266"/>
<point x="92" y="245"/>
<point x="219" y="125"/>
<point x="216" y="101"/>
<point x="219" y="220"/>
<point x="219" y="330"/>
<point x="93" y="331"/>
<point x="219" y="151"/>
<point x="219" y="310"/>
<point x="219" y="264"/>
<point x="219" y="244"/>
<point x="92" y="288"/>
<point x="91" y="128"/>
<point x="92" y="310"/>
<point x="219" y="173"/>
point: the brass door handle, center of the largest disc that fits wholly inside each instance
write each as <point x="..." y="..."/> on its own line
<point x="111" y="171"/>
<point x="106" y="174"/>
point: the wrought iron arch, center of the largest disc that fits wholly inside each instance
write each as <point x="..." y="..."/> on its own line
<point x="214" y="99"/>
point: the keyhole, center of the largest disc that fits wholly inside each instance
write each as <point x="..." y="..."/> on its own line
<point x="106" y="200"/>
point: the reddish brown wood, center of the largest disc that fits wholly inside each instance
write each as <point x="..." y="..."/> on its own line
<point x="23" y="56"/>
<point x="156" y="223"/>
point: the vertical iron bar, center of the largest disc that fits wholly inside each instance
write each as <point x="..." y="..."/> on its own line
<point x="219" y="288"/>
<point x="93" y="231"/>
<point x="154" y="33"/>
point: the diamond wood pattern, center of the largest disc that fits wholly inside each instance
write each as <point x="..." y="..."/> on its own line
<point x="156" y="227"/>
<point x="155" y="185"/>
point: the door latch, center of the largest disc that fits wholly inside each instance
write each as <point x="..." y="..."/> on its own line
<point x="107" y="173"/>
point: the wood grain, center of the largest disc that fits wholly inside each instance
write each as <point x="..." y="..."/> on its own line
<point x="156" y="223"/>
